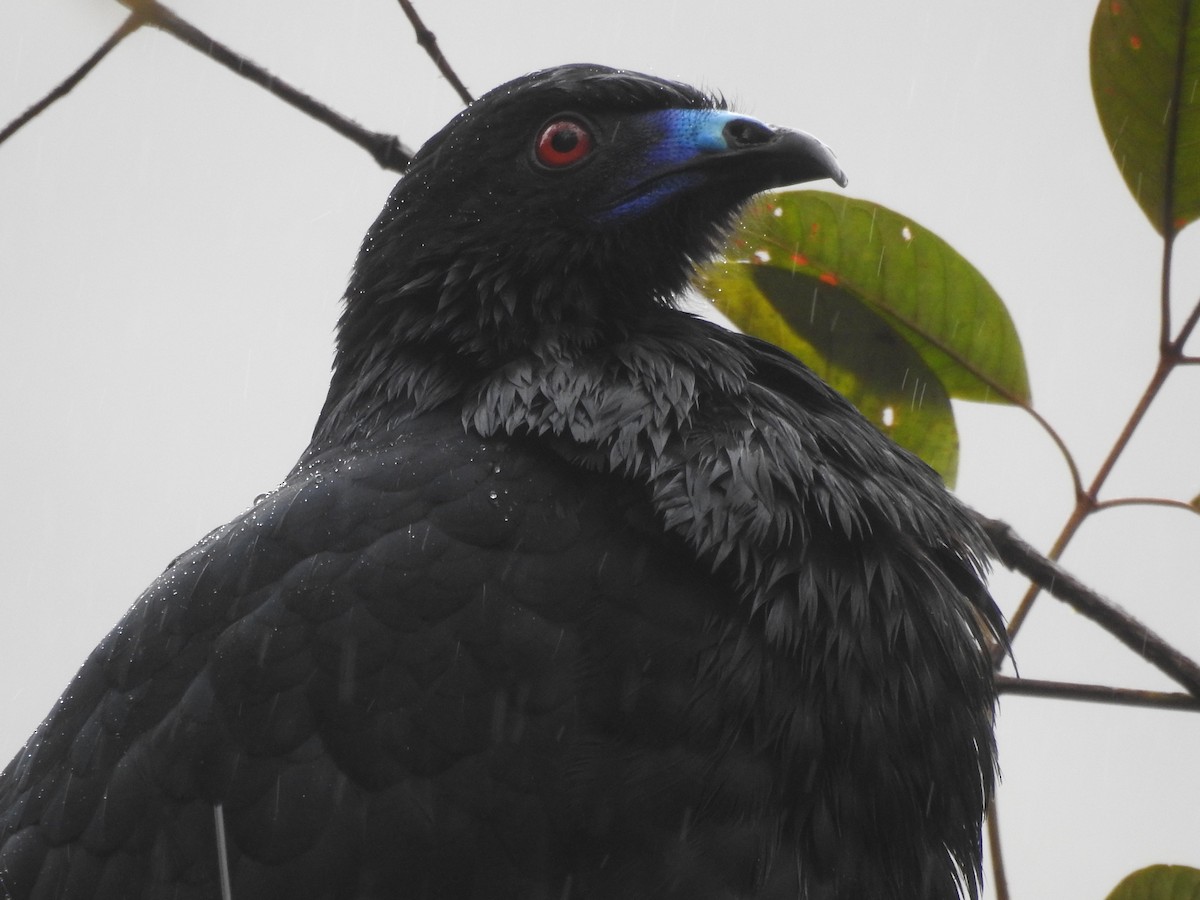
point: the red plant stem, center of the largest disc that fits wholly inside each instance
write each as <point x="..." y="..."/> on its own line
<point x="1086" y="502"/>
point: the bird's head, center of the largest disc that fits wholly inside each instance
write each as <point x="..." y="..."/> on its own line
<point x="575" y="194"/>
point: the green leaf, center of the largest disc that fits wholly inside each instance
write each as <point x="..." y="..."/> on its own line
<point x="880" y="307"/>
<point x="1145" y="57"/>
<point x="1159" y="883"/>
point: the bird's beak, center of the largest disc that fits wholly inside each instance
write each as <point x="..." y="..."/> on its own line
<point x="795" y="157"/>
<point x="765" y="156"/>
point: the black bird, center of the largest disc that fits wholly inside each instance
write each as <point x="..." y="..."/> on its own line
<point x="573" y="595"/>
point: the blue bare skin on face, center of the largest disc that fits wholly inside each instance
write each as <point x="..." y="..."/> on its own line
<point x="675" y="138"/>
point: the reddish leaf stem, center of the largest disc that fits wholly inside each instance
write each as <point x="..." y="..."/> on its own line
<point x="1165" y="502"/>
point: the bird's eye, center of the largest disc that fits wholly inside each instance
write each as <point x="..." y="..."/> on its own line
<point x="562" y="143"/>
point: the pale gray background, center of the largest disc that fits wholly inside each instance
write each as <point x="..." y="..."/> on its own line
<point x="173" y="243"/>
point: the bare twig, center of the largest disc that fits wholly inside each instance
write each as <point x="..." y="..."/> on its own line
<point x="1017" y="554"/>
<point x="1164" y="502"/>
<point x="386" y="149"/>
<point x="428" y="40"/>
<point x="1176" y="348"/>
<point x="1085" y="503"/>
<point x="130" y="25"/>
<point x="1096" y="693"/>
<point x="999" y="877"/>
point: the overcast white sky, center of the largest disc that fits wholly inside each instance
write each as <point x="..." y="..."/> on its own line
<point x="173" y="243"/>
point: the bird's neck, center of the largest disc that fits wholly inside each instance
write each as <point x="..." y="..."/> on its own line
<point x="408" y="345"/>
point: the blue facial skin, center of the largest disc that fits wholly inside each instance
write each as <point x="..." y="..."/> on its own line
<point x="674" y="137"/>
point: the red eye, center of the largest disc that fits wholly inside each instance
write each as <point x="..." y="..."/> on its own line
<point x="563" y="143"/>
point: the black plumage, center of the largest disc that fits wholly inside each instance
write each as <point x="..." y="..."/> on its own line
<point x="573" y="595"/>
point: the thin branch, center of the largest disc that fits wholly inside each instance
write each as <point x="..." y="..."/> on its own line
<point x="1017" y="554"/>
<point x="1146" y="501"/>
<point x="1176" y="348"/>
<point x="999" y="877"/>
<point x="1086" y="502"/>
<point x="128" y="27"/>
<point x="1096" y="693"/>
<point x="1068" y="457"/>
<point x="428" y="40"/>
<point x="385" y="149"/>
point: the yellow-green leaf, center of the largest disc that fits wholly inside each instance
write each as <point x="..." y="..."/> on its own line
<point x="1159" y="883"/>
<point x="880" y="307"/>
<point x="1145" y="59"/>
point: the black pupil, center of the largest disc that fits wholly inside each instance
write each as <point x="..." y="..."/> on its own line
<point x="565" y="139"/>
